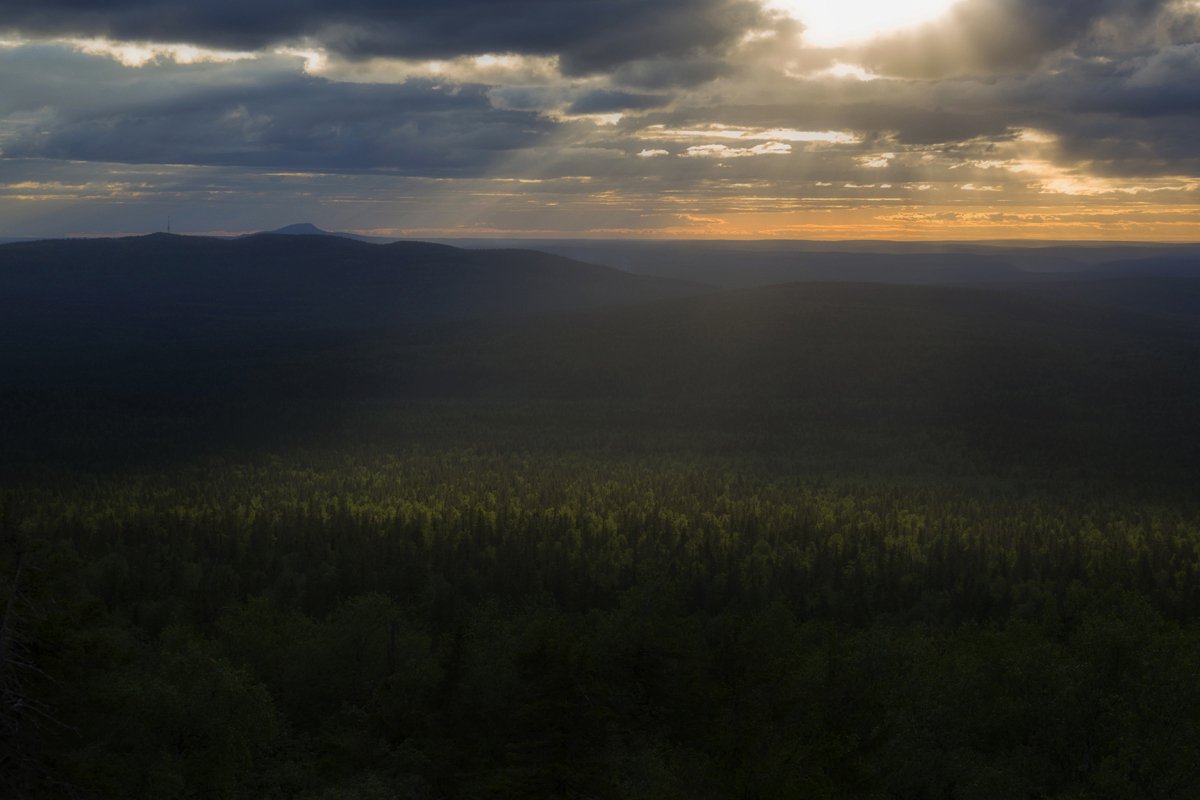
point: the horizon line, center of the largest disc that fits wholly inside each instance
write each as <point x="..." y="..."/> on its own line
<point x="447" y="236"/>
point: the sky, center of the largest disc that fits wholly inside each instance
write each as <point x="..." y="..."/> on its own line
<point x="791" y="119"/>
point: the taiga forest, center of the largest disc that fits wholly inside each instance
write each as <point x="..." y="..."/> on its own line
<point x="812" y="540"/>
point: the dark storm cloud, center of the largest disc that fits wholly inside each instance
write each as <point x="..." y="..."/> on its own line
<point x="1129" y="114"/>
<point x="984" y="36"/>
<point x="589" y="36"/>
<point x="1164" y="83"/>
<point x="665" y="73"/>
<point x="174" y="115"/>
<point x="603" y="101"/>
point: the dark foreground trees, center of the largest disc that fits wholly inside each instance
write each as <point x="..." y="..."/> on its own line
<point x="457" y="624"/>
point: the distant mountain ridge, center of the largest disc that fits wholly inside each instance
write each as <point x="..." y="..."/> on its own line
<point x="747" y="264"/>
<point x="317" y="281"/>
<point x="305" y="277"/>
<point x="309" y="229"/>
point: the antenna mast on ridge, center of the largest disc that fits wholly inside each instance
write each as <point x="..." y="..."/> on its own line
<point x="168" y="224"/>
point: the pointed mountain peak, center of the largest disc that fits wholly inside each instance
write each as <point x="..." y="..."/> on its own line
<point x="302" y="229"/>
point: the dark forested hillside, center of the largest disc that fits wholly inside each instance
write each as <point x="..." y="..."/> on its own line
<point x="1040" y="382"/>
<point x="745" y="264"/>
<point x="1175" y="299"/>
<point x="286" y="518"/>
<point x="318" y="281"/>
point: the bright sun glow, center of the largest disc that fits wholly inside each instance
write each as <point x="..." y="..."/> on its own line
<point x="830" y="23"/>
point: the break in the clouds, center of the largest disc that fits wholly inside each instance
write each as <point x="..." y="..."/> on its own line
<point x="1064" y="119"/>
<point x="978" y="37"/>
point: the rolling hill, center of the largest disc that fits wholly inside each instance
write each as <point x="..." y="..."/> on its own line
<point x="1035" y="380"/>
<point x="746" y="264"/>
<point x="319" y="336"/>
<point x="301" y="280"/>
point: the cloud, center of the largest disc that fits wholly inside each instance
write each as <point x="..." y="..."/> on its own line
<point x="724" y="151"/>
<point x="607" y="101"/>
<point x="986" y="36"/>
<point x="588" y="37"/>
<point x="1129" y="115"/>
<point x="877" y="161"/>
<point x="666" y="72"/>
<point x="218" y="114"/>
<point x="716" y="130"/>
<point x="534" y="118"/>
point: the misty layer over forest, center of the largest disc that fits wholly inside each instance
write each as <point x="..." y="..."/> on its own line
<point x="297" y="515"/>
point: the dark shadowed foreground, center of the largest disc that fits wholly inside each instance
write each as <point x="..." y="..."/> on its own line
<point x="551" y="539"/>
